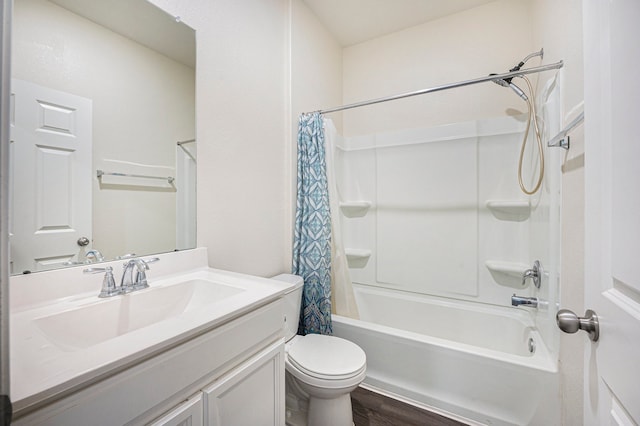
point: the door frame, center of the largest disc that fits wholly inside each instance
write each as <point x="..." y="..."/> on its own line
<point x="6" y="13"/>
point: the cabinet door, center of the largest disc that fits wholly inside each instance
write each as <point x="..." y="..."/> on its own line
<point x="189" y="413"/>
<point x="252" y="394"/>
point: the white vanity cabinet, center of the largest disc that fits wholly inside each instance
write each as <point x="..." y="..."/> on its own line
<point x="189" y="413"/>
<point x="251" y="394"/>
<point x="232" y="374"/>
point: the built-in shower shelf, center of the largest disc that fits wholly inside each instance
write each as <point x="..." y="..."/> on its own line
<point x="512" y="210"/>
<point x="355" y="208"/>
<point x="357" y="258"/>
<point x="508" y="274"/>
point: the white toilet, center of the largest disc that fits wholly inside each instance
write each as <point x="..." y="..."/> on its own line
<point x="321" y="371"/>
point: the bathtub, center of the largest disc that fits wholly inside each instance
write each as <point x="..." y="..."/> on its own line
<point x="478" y="363"/>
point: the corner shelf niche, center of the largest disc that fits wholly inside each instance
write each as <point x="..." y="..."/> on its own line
<point x="355" y="208"/>
<point x="511" y="210"/>
<point x="357" y="258"/>
<point x="508" y="274"/>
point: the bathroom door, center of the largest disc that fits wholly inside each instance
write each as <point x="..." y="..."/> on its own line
<point x="612" y="210"/>
<point x="50" y="206"/>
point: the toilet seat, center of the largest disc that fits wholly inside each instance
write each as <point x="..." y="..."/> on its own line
<point x="326" y="361"/>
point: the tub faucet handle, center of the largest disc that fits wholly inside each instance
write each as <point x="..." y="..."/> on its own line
<point x="535" y="273"/>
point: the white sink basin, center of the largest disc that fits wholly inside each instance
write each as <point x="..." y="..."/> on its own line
<point x="63" y="336"/>
<point x="106" y="319"/>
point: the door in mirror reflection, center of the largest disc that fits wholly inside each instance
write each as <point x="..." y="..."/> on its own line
<point x="51" y="176"/>
<point x="137" y="66"/>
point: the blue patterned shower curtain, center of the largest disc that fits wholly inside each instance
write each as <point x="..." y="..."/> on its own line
<point x="312" y="237"/>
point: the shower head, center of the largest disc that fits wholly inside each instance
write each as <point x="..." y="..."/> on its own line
<point x="506" y="82"/>
<point x="518" y="91"/>
<point x="502" y="82"/>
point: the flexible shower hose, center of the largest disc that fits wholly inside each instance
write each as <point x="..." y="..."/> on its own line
<point x="532" y="117"/>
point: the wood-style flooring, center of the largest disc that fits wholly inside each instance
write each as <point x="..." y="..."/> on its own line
<point x="373" y="409"/>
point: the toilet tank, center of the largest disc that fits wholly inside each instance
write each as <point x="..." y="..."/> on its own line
<point x="292" y="303"/>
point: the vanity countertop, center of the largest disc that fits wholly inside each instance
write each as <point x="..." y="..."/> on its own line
<point x="63" y="344"/>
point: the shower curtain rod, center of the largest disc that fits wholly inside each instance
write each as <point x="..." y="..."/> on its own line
<point x="186" y="151"/>
<point x="518" y="73"/>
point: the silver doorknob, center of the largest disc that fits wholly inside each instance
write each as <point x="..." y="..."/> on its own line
<point x="571" y="323"/>
<point x="83" y="241"/>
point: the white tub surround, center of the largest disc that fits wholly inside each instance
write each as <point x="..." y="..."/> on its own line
<point x="426" y="208"/>
<point x="446" y="216"/>
<point x="467" y="360"/>
<point x="200" y="321"/>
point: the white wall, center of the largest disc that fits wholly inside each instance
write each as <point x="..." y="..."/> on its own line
<point x="487" y="39"/>
<point x="316" y="66"/>
<point x="244" y="142"/>
<point x="129" y="84"/>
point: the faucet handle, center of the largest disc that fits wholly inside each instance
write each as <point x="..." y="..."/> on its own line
<point x="93" y="256"/>
<point x="534" y="273"/>
<point x="126" y="256"/>
<point x="108" y="283"/>
<point x="142" y="265"/>
<point x="97" y="270"/>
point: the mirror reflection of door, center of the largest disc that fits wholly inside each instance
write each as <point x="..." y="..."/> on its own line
<point x="51" y="176"/>
<point x="137" y="65"/>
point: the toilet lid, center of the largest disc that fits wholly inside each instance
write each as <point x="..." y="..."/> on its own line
<point x="327" y="356"/>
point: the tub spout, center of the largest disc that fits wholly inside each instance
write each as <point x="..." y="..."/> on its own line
<point x="524" y="301"/>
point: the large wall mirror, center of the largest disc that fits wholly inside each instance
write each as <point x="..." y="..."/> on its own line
<point x="103" y="149"/>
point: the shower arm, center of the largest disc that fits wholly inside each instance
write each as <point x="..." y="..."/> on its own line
<point x="507" y="75"/>
<point x="524" y="61"/>
<point x="533" y="55"/>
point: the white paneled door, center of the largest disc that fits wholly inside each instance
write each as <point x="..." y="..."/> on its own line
<point x="612" y="191"/>
<point x="50" y="176"/>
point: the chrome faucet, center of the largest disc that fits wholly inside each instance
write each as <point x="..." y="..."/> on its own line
<point x="93" y="256"/>
<point x="535" y="273"/>
<point x="108" y="283"/>
<point x="129" y="282"/>
<point x="524" y="301"/>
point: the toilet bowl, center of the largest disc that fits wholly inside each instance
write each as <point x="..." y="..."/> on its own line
<point x="321" y="371"/>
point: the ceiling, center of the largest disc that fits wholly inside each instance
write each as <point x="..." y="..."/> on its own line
<point x="355" y="21"/>
<point x="350" y="21"/>
<point x="142" y="22"/>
